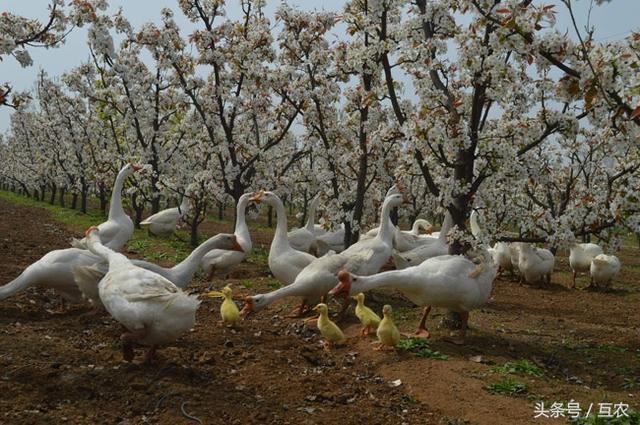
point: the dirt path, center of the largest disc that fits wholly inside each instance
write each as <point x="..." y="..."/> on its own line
<point x="270" y="370"/>
<point x="56" y="369"/>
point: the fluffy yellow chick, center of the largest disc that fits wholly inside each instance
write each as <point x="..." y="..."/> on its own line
<point x="329" y="330"/>
<point x="388" y="333"/>
<point x="228" y="310"/>
<point x="368" y="318"/>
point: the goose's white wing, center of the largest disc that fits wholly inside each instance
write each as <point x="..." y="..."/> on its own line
<point x="163" y="217"/>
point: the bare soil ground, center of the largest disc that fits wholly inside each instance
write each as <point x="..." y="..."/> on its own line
<point x="271" y="370"/>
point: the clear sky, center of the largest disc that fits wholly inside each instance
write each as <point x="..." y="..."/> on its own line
<point x="613" y="21"/>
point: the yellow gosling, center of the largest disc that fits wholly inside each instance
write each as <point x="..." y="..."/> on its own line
<point x="388" y="333"/>
<point x="228" y="310"/>
<point x="368" y="318"/>
<point x="329" y="330"/>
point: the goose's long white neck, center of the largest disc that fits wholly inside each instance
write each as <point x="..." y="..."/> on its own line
<point x="312" y="214"/>
<point x="115" y="207"/>
<point x="419" y="223"/>
<point x="386" y="226"/>
<point x="398" y="279"/>
<point x="286" y="291"/>
<point x="475" y="227"/>
<point x="241" y="230"/>
<point x="446" y="226"/>
<point x="281" y="226"/>
<point x="112" y="257"/>
<point x="183" y="271"/>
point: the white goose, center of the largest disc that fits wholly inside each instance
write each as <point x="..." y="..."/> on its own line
<point x="418" y="224"/>
<point x="500" y="251"/>
<point x="303" y="239"/>
<point x="580" y="257"/>
<point x="152" y="309"/>
<point x="219" y="261"/>
<point x="163" y="223"/>
<point x="319" y="230"/>
<point x="365" y="258"/>
<point x="284" y="262"/>
<point x="604" y="268"/>
<point x="434" y="247"/>
<point x="331" y="241"/>
<point x="450" y="281"/>
<point x="53" y="271"/>
<point x="88" y="277"/>
<point x="535" y="264"/>
<point x="118" y="228"/>
<point x="406" y="240"/>
<point x="514" y="254"/>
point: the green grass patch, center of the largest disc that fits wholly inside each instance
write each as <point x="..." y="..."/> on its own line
<point x="509" y="387"/>
<point x="259" y="256"/>
<point x="151" y="248"/>
<point x="420" y="347"/>
<point x="273" y="283"/>
<point x="247" y="284"/>
<point x="632" y="383"/>
<point x="73" y="218"/>
<point x="521" y="367"/>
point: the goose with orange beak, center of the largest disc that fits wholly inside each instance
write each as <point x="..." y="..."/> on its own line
<point x="317" y="279"/>
<point x="220" y="261"/>
<point x="87" y="277"/>
<point x="284" y="262"/>
<point x="117" y="230"/>
<point x="152" y="309"/>
<point x="450" y="281"/>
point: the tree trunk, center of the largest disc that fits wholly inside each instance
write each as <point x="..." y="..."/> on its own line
<point x="63" y="192"/>
<point x="104" y="200"/>
<point x="270" y="220"/>
<point x="395" y="217"/>
<point x="54" y="191"/>
<point x="220" y="211"/>
<point x="305" y="210"/>
<point x="459" y="210"/>
<point x="84" y="195"/>
<point x="74" y="200"/>
<point x="42" y="189"/>
<point x="155" y="204"/>
<point x="195" y="221"/>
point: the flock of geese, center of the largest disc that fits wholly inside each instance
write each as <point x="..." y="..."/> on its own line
<point x="310" y="263"/>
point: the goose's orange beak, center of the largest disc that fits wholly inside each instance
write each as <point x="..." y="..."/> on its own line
<point x="136" y="167"/>
<point x="344" y="287"/>
<point x="90" y="229"/>
<point x="257" y="196"/>
<point x="248" y="307"/>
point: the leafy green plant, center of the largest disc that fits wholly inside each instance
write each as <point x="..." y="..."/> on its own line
<point x="247" y="284"/>
<point x="523" y="367"/>
<point x="413" y="343"/>
<point x="631" y="383"/>
<point x="139" y="245"/>
<point x="507" y="387"/>
<point x="274" y="284"/>
<point x="420" y="347"/>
